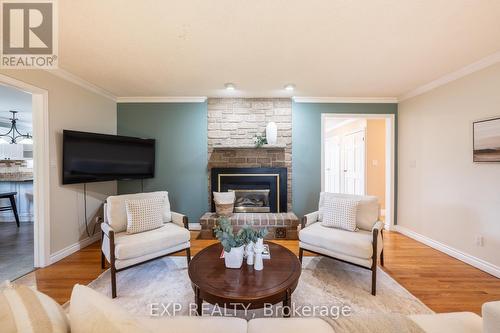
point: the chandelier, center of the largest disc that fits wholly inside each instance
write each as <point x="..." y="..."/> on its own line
<point x="13" y="135"/>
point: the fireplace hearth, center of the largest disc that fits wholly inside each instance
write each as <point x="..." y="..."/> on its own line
<point x="257" y="190"/>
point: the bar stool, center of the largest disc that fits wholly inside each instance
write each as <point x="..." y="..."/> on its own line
<point x="12" y="197"/>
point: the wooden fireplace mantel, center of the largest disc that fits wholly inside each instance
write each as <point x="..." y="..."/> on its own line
<point x="229" y="147"/>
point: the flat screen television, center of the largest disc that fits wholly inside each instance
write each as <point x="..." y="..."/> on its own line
<point x="92" y="157"/>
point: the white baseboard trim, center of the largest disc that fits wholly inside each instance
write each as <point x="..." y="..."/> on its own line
<point x="63" y="253"/>
<point x="467" y="258"/>
<point x="194" y="226"/>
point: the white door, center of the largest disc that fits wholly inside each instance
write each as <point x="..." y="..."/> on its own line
<point x="353" y="162"/>
<point x="332" y="165"/>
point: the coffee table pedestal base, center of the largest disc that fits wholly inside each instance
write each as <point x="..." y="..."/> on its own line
<point x="287" y="302"/>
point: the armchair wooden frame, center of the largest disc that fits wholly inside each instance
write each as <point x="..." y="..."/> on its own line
<point x="113" y="269"/>
<point x="373" y="268"/>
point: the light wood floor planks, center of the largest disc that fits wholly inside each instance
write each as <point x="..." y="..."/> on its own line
<point x="441" y="282"/>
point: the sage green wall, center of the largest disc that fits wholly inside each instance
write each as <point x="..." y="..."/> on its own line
<point x="180" y="130"/>
<point x="306" y="147"/>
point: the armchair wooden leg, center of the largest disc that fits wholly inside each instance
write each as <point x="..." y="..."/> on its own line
<point x="103" y="260"/>
<point x="374" y="262"/>
<point x="382" y="258"/>
<point x="301" y="254"/>
<point x="374" y="279"/>
<point x="112" y="262"/>
<point x="113" y="281"/>
<point x="188" y="255"/>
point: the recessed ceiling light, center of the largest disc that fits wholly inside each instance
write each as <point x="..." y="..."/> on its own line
<point x="289" y="87"/>
<point x="229" y="86"/>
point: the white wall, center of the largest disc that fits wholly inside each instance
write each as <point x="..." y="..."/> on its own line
<point x="70" y="107"/>
<point x="443" y="195"/>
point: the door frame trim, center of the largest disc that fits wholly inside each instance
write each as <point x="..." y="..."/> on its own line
<point x="41" y="167"/>
<point x="390" y="154"/>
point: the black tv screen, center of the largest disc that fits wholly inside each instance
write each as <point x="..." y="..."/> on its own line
<point x="92" y="157"/>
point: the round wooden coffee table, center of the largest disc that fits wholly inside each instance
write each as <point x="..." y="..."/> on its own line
<point x="244" y="288"/>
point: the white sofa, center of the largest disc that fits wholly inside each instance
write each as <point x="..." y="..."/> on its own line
<point x="361" y="248"/>
<point x="23" y="309"/>
<point x="123" y="250"/>
<point x="93" y="312"/>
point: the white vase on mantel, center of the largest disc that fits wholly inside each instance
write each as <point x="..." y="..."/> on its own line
<point x="272" y="133"/>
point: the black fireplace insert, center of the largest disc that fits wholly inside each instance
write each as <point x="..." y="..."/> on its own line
<point x="257" y="190"/>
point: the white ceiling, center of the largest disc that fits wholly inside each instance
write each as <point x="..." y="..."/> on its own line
<point x="355" y="48"/>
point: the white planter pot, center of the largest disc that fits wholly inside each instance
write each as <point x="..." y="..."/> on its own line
<point x="234" y="258"/>
<point x="271" y="133"/>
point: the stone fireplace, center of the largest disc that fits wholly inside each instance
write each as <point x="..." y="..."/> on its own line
<point x="232" y="126"/>
<point x="261" y="177"/>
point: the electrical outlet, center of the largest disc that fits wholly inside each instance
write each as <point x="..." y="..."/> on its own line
<point x="479" y="240"/>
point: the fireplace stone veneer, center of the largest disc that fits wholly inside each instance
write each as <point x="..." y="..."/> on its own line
<point x="232" y="126"/>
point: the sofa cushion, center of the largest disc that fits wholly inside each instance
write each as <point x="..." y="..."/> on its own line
<point x="491" y="317"/>
<point x="23" y="309"/>
<point x="355" y="244"/>
<point x="144" y="214"/>
<point x="92" y="312"/>
<point x="116" y="212"/>
<point x="368" y="209"/>
<point x="339" y="212"/>
<point x="455" y="322"/>
<point x="289" y="325"/>
<point x="129" y="246"/>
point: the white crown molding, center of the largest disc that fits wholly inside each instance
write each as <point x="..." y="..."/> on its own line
<point x="464" y="71"/>
<point x="345" y="99"/>
<point x="63" y="74"/>
<point x="162" y="99"/>
<point x="467" y="258"/>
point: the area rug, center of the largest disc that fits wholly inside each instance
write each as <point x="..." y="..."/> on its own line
<point x="324" y="283"/>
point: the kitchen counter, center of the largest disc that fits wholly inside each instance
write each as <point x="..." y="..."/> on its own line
<point x="16" y="178"/>
<point x="24" y="198"/>
<point x="16" y="170"/>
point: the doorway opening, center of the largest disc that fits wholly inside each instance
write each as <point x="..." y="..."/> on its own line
<point x="16" y="184"/>
<point x="357" y="157"/>
<point x="37" y="200"/>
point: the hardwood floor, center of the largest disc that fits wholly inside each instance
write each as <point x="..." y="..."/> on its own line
<point x="441" y="282"/>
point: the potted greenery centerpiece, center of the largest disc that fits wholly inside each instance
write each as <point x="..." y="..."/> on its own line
<point x="233" y="245"/>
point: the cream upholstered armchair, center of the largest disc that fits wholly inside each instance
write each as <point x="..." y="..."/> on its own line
<point x="123" y="250"/>
<point x="360" y="248"/>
